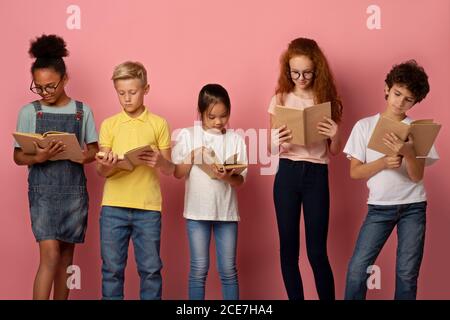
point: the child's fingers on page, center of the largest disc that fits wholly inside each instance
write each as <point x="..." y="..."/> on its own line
<point x="49" y="146"/>
<point x="387" y="136"/>
<point x="410" y="138"/>
<point x="151" y="163"/>
<point x="284" y="131"/>
<point x="39" y="148"/>
<point x="56" y="148"/>
<point x="110" y="157"/>
<point x="324" y="125"/>
<point x="389" y="144"/>
<point x="284" y="139"/>
<point x="283" y="134"/>
<point x="331" y="121"/>
<point x="394" y="136"/>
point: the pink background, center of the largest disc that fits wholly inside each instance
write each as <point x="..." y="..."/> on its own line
<point x="186" y="44"/>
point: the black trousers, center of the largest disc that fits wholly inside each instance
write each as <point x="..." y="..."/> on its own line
<point x="304" y="183"/>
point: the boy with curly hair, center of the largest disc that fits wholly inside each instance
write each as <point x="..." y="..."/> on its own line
<point x="397" y="195"/>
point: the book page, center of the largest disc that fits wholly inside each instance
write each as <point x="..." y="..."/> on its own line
<point x="232" y="163"/>
<point x="383" y="127"/>
<point x="121" y="163"/>
<point x="293" y="119"/>
<point x="133" y="154"/>
<point x="73" y="150"/>
<point x="25" y="140"/>
<point x="314" y="115"/>
<point x="53" y="133"/>
<point x="424" y="134"/>
<point x="206" y="160"/>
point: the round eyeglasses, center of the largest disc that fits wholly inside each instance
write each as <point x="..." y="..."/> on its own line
<point x="295" y="75"/>
<point x="40" y="90"/>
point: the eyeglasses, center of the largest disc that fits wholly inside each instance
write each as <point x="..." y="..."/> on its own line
<point x="40" y="90"/>
<point x="295" y="75"/>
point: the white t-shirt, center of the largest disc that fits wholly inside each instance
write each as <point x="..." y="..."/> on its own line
<point x="389" y="186"/>
<point x="206" y="198"/>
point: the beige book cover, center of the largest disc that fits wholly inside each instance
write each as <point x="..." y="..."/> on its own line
<point x="424" y="133"/>
<point x="207" y="160"/>
<point x="130" y="159"/>
<point x="72" y="152"/>
<point x="302" y="122"/>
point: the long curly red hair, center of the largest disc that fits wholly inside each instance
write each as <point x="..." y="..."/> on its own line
<point x="323" y="85"/>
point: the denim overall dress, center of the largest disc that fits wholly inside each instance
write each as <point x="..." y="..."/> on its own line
<point x="57" y="189"/>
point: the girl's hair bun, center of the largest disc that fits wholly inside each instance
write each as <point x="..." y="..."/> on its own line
<point x="48" y="47"/>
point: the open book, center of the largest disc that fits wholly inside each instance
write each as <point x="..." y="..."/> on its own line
<point x="72" y="152"/>
<point x="207" y="160"/>
<point x="424" y="132"/>
<point x="130" y="159"/>
<point x="302" y="122"/>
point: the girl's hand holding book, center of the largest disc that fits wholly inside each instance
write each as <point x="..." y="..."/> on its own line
<point x="278" y="136"/>
<point x="224" y="175"/>
<point x="51" y="150"/>
<point x="328" y="128"/>
<point x="281" y="135"/>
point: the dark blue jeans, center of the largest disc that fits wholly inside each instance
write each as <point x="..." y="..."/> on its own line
<point x="304" y="183"/>
<point x="410" y="220"/>
<point x="117" y="226"/>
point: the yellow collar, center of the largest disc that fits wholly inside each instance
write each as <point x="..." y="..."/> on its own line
<point x="142" y="117"/>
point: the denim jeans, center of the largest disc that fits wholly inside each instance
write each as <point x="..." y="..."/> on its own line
<point x="117" y="225"/>
<point x="297" y="184"/>
<point x="225" y="235"/>
<point x="410" y="220"/>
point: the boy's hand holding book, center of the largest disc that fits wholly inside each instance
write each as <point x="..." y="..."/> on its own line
<point x="143" y="155"/>
<point x="400" y="147"/>
<point x="392" y="162"/>
<point x="107" y="159"/>
<point x="152" y="158"/>
<point x="393" y="137"/>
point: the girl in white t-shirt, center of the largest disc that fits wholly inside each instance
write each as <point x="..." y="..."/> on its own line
<point x="210" y="204"/>
<point x="302" y="178"/>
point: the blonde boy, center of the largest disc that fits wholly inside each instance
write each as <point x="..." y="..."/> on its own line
<point x="131" y="204"/>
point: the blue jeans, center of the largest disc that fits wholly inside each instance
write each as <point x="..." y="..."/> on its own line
<point x="225" y="235"/>
<point x="410" y="220"/>
<point x="117" y="225"/>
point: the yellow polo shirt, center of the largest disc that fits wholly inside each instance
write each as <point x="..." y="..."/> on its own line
<point x="139" y="188"/>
